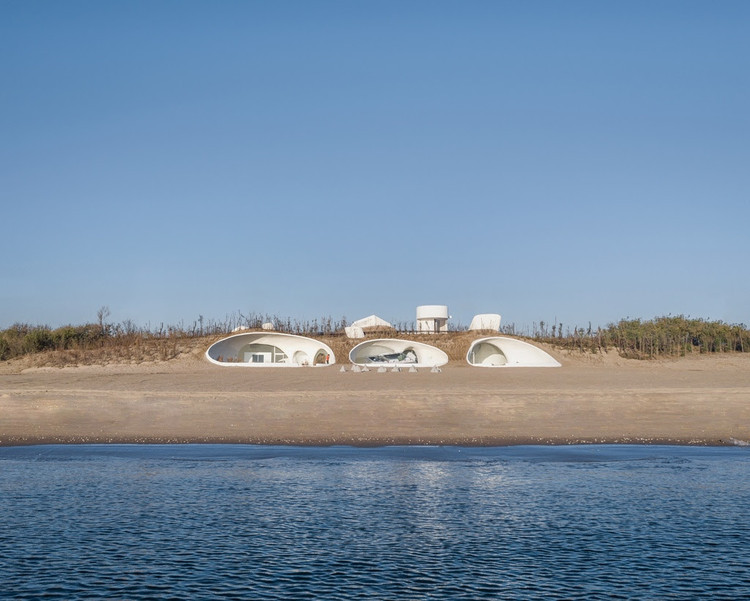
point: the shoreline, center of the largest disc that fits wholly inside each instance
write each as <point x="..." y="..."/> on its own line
<point x="374" y="444"/>
<point x="699" y="401"/>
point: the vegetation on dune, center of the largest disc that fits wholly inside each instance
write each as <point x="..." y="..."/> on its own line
<point x="103" y="342"/>
<point x="670" y="336"/>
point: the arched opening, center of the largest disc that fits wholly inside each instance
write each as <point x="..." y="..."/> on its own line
<point x="301" y="358"/>
<point x="396" y="352"/>
<point x="487" y="354"/>
<point x="321" y="357"/>
<point x="385" y="354"/>
<point x="372" y="353"/>
<point x="408" y="356"/>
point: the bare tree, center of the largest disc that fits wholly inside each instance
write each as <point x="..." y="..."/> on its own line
<point x="102" y="314"/>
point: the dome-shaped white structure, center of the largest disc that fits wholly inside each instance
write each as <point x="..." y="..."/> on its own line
<point x="269" y="349"/>
<point x="500" y="351"/>
<point x="394" y="351"/>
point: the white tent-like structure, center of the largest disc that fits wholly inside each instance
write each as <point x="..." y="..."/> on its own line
<point x="500" y="351"/>
<point x="269" y="349"/>
<point x="393" y="351"/>
<point x="372" y="322"/>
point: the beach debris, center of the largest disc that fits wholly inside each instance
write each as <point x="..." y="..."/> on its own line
<point x="413" y="370"/>
<point x="382" y="370"/>
<point x="435" y="369"/>
<point x="356" y="368"/>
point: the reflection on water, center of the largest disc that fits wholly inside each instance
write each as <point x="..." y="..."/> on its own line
<point x="242" y="522"/>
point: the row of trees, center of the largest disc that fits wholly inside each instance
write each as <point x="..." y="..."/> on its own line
<point x="669" y="336"/>
<point x="23" y="339"/>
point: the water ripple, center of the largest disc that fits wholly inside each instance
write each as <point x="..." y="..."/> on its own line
<point x="257" y="523"/>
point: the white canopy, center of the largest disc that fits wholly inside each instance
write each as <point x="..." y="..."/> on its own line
<point x="373" y="321"/>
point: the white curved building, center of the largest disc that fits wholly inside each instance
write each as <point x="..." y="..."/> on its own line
<point x="269" y="349"/>
<point x="393" y="351"/>
<point x="500" y="351"/>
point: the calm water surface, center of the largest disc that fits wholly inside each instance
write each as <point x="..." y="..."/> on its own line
<point x="244" y="522"/>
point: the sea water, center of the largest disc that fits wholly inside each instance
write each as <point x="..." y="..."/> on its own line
<point x="249" y="522"/>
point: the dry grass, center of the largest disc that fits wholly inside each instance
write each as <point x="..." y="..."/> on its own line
<point x="151" y="350"/>
<point x="140" y="351"/>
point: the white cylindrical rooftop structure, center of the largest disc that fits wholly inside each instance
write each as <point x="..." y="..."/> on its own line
<point x="432" y="318"/>
<point x="432" y="312"/>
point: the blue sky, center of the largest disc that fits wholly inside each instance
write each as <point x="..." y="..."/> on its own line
<point x="578" y="161"/>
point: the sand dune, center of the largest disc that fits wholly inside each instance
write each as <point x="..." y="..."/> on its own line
<point x="592" y="398"/>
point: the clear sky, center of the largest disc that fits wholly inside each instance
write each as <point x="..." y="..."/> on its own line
<point x="579" y="161"/>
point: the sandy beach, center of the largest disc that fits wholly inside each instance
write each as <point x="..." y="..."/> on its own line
<point x="590" y="399"/>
